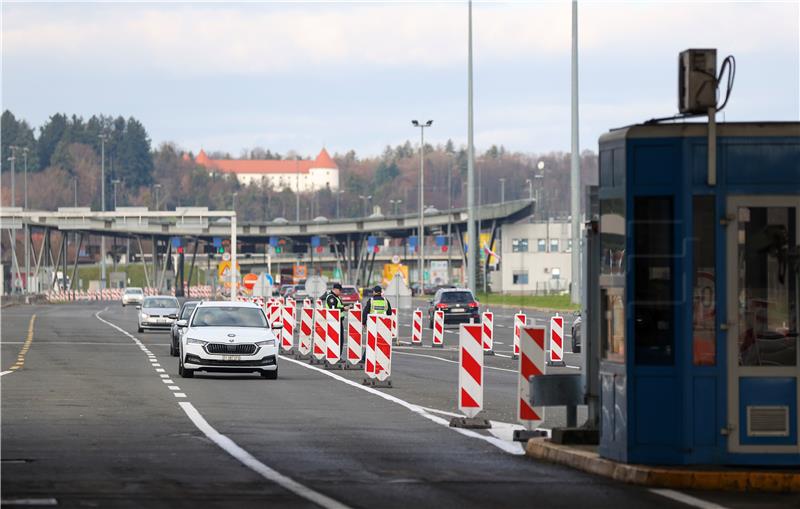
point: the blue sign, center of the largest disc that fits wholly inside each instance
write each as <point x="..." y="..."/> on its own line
<point x="372" y="241"/>
<point x="441" y="240"/>
<point x="217" y="242"/>
<point x="412" y="242"/>
<point x="176" y="242"/>
<point x="314" y="241"/>
<point x="269" y="279"/>
<point x="273" y="241"/>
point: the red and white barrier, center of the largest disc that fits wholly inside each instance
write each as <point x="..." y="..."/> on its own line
<point x="369" y="360"/>
<point x="333" y="339"/>
<point x="531" y="363"/>
<point x="383" y="348"/>
<point x="394" y="324"/>
<point x="306" y="331"/>
<point x="357" y="306"/>
<point x="320" y="327"/>
<point x="438" y="329"/>
<point x="354" y="330"/>
<point x="470" y="369"/>
<point x="306" y="303"/>
<point x="287" y="334"/>
<point x="556" y="341"/>
<point x="487" y="332"/>
<point x="274" y="312"/>
<point x="520" y="320"/>
<point x="416" y="328"/>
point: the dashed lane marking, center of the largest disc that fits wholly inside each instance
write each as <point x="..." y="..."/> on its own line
<point x="451" y="362"/>
<point x="236" y="451"/>
<point x="24" y="350"/>
<point x="686" y="499"/>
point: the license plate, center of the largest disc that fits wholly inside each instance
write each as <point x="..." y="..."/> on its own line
<point x="231" y="357"/>
<point x="458" y="310"/>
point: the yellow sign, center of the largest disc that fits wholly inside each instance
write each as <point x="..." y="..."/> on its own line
<point x="224" y="273"/>
<point x="390" y="269"/>
<point x="485" y="237"/>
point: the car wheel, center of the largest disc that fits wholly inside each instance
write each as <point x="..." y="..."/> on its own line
<point x="575" y="348"/>
<point x="185" y="373"/>
<point x="270" y="375"/>
<point x="141" y="330"/>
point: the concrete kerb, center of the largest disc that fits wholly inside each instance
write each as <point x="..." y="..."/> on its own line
<point x="582" y="458"/>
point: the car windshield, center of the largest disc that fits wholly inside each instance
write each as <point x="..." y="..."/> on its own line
<point x="456" y="297"/>
<point x="187" y="310"/>
<point x="232" y="316"/>
<point x="160" y="302"/>
<point x="137" y="291"/>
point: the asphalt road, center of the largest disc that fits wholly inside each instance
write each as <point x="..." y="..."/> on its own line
<point x="95" y="415"/>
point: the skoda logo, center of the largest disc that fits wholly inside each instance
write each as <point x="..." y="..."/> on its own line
<point x="230" y="341"/>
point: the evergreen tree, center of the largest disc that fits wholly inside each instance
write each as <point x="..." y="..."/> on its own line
<point x="133" y="158"/>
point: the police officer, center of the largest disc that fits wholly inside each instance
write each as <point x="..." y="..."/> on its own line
<point x="376" y="305"/>
<point x="334" y="301"/>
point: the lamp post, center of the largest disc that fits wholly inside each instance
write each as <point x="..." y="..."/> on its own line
<point x="233" y="200"/>
<point x="396" y="204"/>
<point x="115" y="182"/>
<point x="156" y="187"/>
<point x="530" y="188"/>
<point x="472" y="252"/>
<point x="421" y="238"/>
<point x="365" y="199"/>
<point x="13" y="159"/>
<point x="539" y="177"/>
<point x="14" y="280"/>
<point x="338" y="194"/>
<point x="27" y="235"/>
<point x="75" y="189"/>
<point x="502" y="190"/>
<point x="103" y="137"/>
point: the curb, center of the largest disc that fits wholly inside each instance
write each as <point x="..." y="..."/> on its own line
<point x="673" y="477"/>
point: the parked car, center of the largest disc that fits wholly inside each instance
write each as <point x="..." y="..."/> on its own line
<point x="228" y="337"/>
<point x="158" y="312"/>
<point x="300" y="292"/>
<point x="576" y="333"/>
<point x="176" y="331"/>
<point x="350" y="295"/>
<point x="285" y="289"/>
<point x="458" y="304"/>
<point x="132" y="295"/>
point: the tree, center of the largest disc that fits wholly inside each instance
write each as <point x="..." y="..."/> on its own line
<point x="134" y="158"/>
<point x="449" y="147"/>
<point x="386" y="173"/>
<point x="19" y="134"/>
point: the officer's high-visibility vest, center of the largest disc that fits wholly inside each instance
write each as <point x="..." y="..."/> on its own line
<point x="379" y="306"/>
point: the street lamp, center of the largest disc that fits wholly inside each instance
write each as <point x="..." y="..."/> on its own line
<point x="365" y="199"/>
<point x="13" y="159"/>
<point x="27" y="235"/>
<point x="103" y="137"/>
<point x="502" y="190"/>
<point x="235" y="195"/>
<point x="115" y="182"/>
<point x="156" y="187"/>
<point x="75" y="189"/>
<point x="421" y="238"/>
<point x="396" y="204"/>
<point x="530" y="188"/>
<point x="338" y="194"/>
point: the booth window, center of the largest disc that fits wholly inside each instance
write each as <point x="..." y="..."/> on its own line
<point x="612" y="236"/>
<point x="613" y="320"/>
<point x="653" y="302"/>
<point x="704" y="295"/>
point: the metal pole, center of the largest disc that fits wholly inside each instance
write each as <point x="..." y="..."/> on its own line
<point x="234" y="280"/>
<point x="472" y="264"/>
<point x="103" y="209"/>
<point x="502" y="190"/>
<point x="13" y="158"/>
<point x="13" y="232"/>
<point x="75" y="188"/>
<point x="26" y="227"/>
<point x="421" y="238"/>
<point x="297" y="192"/>
<point x="449" y="221"/>
<point x="575" y="173"/>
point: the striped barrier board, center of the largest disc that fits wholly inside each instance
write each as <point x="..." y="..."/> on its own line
<point x="520" y="321"/>
<point x="383" y="350"/>
<point x="487" y="332"/>
<point x="320" y="327"/>
<point x="354" y="330"/>
<point x="333" y="339"/>
<point x="438" y="329"/>
<point x="531" y="363"/>
<point x="369" y="364"/>
<point x="416" y="328"/>
<point x="287" y="333"/>
<point x="470" y="369"/>
<point x="306" y="331"/>
<point x="556" y="341"/>
<point x="394" y="323"/>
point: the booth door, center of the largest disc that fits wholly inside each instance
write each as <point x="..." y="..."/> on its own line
<point x="762" y="345"/>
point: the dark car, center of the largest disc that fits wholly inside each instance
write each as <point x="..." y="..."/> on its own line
<point x="458" y="304"/>
<point x="576" y="334"/>
<point x="184" y="314"/>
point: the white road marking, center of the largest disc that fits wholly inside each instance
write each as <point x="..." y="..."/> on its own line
<point x="168" y="381"/>
<point x="687" y="499"/>
<point x="451" y="362"/>
<point x="174" y="388"/>
<point x="164" y="375"/>
<point x="156" y="365"/>
<point x="501" y="355"/>
<point x="6" y="372"/>
<point x="248" y="460"/>
<point x="509" y="447"/>
<point x="179" y="394"/>
<point x="159" y="370"/>
<point x="29" y="501"/>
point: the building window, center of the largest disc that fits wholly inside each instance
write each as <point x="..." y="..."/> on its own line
<point x="554" y="245"/>
<point x="704" y="308"/>
<point x="569" y="245"/>
<point x="541" y="245"/>
<point x="519" y="245"/>
<point x="520" y="277"/>
<point x="555" y="273"/>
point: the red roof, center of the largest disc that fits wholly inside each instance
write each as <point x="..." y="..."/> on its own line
<point x="323" y="160"/>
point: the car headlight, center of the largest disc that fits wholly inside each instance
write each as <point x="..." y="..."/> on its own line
<point x="192" y="341"/>
<point x="145" y="316"/>
<point x="269" y="342"/>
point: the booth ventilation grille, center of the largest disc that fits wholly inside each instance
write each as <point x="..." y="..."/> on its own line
<point x="768" y="421"/>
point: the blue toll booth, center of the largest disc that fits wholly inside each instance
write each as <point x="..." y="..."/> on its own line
<point x="699" y="289"/>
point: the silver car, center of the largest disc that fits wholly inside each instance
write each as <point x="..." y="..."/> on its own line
<point x="158" y="312"/>
<point x="132" y="295"/>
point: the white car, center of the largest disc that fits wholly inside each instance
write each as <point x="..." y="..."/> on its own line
<point x="132" y="295"/>
<point x="158" y="312"/>
<point x="228" y="337"/>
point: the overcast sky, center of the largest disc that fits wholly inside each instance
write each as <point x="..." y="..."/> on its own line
<point x="346" y="76"/>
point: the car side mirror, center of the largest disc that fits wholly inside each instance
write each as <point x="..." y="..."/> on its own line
<point x="277" y="325"/>
<point x="172" y="316"/>
<point x="182" y="323"/>
<point x="138" y="306"/>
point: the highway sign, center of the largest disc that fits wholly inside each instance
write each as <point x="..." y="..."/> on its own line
<point x="316" y="286"/>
